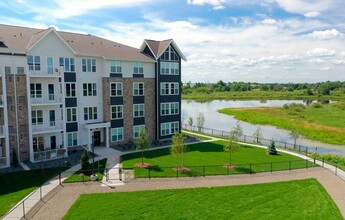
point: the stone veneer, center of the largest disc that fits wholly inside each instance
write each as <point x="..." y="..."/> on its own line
<point x="22" y="105"/>
<point x="150" y="106"/>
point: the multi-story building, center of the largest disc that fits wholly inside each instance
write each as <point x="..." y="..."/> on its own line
<point x="61" y="90"/>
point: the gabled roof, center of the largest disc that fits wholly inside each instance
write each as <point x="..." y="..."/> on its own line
<point x="158" y="47"/>
<point x="23" y="38"/>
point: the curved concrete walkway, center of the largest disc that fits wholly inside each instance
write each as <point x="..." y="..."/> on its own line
<point x="58" y="205"/>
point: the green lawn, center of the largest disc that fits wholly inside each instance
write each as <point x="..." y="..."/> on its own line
<point x="326" y="124"/>
<point x="15" y="186"/>
<point x="208" y="159"/>
<point x="77" y="177"/>
<point x="301" y="199"/>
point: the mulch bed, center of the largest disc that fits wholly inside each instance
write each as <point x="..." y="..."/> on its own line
<point x="181" y="169"/>
<point x="229" y="166"/>
<point x="142" y="165"/>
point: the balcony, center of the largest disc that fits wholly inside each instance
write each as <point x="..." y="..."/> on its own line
<point x="49" y="154"/>
<point x="51" y="99"/>
<point x="51" y="127"/>
<point x="2" y="131"/>
<point x="45" y="71"/>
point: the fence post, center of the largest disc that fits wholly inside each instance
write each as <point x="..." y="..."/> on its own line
<point x="41" y="193"/>
<point x="83" y="178"/>
<point x="314" y="159"/>
<point x="336" y="169"/>
<point x="299" y="149"/>
<point x="289" y="165"/>
<point x="244" y="138"/>
<point x="149" y="173"/>
<point x="212" y="131"/>
<point x="271" y="167"/>
<point x="177" y="171"/>
<point x="306" y="153"/>
<point x="306" y="164"/>
<point x="59" y="177"/>
<point x="285" y="145"/>
<point x="203" y="170"/>
<point x="222" y="134"/>
<point x="23" y="209"/>
<point x="120" y="174"/>
<point x="250" y="168"/>
<point x="323" y="162"/>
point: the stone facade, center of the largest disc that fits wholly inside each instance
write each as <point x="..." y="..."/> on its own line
<point x="149" y="101"/>
<point x="22" y="110"/>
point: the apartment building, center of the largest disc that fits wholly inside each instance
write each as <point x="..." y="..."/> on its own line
<point x="61" y="90"/>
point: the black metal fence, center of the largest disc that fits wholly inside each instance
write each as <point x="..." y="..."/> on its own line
<point x="305" y="150"/>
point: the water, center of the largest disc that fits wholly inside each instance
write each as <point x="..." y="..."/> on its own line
<point x="224" y="122"/>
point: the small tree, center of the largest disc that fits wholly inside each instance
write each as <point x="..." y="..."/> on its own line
<point x="178" y="147"/>
<point x="294" y="136"/>
<point x="14" y="158"/>
<point x="143" y="143"/>
<point x="200" y="121"/>
<point x="190" y="121"/>
<point x="231" y="146"/>
<point x="257" y="134"/>
<point x="84" y="160"/>
<point x="237" y="131"/>
<point x="271" y="149"/>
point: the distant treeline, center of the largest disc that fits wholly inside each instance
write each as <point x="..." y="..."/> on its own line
<point x="322" y="88"/>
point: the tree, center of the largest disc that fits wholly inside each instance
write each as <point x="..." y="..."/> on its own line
<point x="200" y="121"/>
<point x="231" y="146"/>
<point x="237" y="131"/>
<point x="14" y="158"/>
<point x="178" y="147"/>
<point x="271" y="149"/>
<point x="294" y="136"/>
<point x="143" y="143"/>
<point x="84" y="160"/>
<point x="257" y="134"/>
<point x="190" y="121"/>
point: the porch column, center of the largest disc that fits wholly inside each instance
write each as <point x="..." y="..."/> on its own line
<point x="107" y="137"/>
<point x="90" y="139"/>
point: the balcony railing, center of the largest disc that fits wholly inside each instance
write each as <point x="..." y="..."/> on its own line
<point x="1" y="100"/>
<point x="47" y="127"/>
<point x="3" y="161"/>
<point x="47" y="99"/>
<point x="49" y="154"/>
<point x="48" y="71"/>
<point x="2" y="131"/>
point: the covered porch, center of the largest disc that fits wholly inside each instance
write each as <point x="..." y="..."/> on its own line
<point x="95" y="133"/>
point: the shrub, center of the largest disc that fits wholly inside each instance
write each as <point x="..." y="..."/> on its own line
<point x="14" y="158"/>
<point x="272" y="149"/>
<point x="316" y="105"/>
<point x="84" y="160"/>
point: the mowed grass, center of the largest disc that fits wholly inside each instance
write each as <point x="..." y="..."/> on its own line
<point x="301" y="199"/>
<point x="209" y="158"/>
<point x="15" y="186"/>
<point x="326" y="124"/>
<point x="79" y="177"/>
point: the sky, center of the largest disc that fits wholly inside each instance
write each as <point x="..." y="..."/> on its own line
<point x="231" y="40"/>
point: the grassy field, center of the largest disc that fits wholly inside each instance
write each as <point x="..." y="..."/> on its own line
<point x="326" y="124"/>
<point x="15" y="186"/>
<point x="77" y="177"/>
<point x="258" y="95"/>
<point x="302" y="199"/>
<point x="212" y="156"/>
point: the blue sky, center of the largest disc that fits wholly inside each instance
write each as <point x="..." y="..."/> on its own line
<point x="251" y="40"/>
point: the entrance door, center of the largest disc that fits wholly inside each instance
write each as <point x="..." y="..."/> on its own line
<point x="52" y="142"/>
<point x="51" y="92"/>
<point x="97" y="138"/>
<point x="52" y="118"/>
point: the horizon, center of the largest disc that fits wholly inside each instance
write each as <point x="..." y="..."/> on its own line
<point x="271" y="41"/>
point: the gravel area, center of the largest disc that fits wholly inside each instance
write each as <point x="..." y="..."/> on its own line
<point x="55" y="206"/>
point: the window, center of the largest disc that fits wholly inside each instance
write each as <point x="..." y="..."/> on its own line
<point x="72" y="139"/>
<point x="89" y="65"/>
<point x="116" y="134"/>
<point x="37" y="117"/>
<point x="34" y="62"/>
<point x="68" y="64"/>
<point x="90" y="113"/>
<point x="165" y="68"/>
<point x="117" y="111"/>
<point x="7" y="70"/>
<point x="138" y="110"/>
<point x="36" y="90"/>
<point x="20" y="70"/>
<point x="169" y="128"/>
<point x="136" y="130"/>
<point x="170" y="108"/>
<point x="170" y="88"/>
<point x="138" y="88"/>
<point x="138" y="68"/>
<point x="116" y="89"/>
<point x="71" y="114"/>
<point x="89" y="89"/>
<point x="175" y="68"/>
<point x="115" y="66"/>
<point x="170" y="54"/>
<point x="70" y="89"/>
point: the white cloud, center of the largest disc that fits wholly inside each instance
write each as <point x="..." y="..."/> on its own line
<point x="219" y="7"/>
<point x="269" y="21"/>
<point x="342" y="54"/>
<point x="326" y="34"/>
<point x="317" y="60"/>
<point x="305" y="6"/>
<point x="326" y="68"/>
<point x="320" y="52"/>
<point x="339" y="62"/>
<point x="312" y="14"/>
<point x="217" y="4"/>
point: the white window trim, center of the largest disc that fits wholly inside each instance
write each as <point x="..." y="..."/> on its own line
<point x="93" y="108"/>
<point x="111" y="134"/>
<point x="75" y="89"/>
<point x="111" y="112"/>
<point x="76" y="114"/>
<point x="116" y="89"/>
<point x="170" y="107"/>
<point x="73" y="136"/>
<point x="139" y="127"/>
<point x="116" y="66"/>
<point x="143" y="110"/>
<point x="140" y="65"/>
<point x="138" y="88"/>
<point x="169" y="123"/>
<point x="169" y="83"/>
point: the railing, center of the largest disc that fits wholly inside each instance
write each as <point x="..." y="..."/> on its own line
<point x="45" y="70"/>
<point x="3" y="161"/>
<point x="47" y="99"/>
<point x="1" y="100"/>
<point x="49" y="154"/>
<point x="2" y="131"/>
<point x="47" y="127"/>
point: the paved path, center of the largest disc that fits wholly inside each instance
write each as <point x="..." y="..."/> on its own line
<point x="70" y="192"/>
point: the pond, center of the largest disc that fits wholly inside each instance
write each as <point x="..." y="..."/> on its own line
<point x="224" y="122"/>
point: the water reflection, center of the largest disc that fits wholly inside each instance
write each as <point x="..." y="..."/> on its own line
<point x="224" y="122"/>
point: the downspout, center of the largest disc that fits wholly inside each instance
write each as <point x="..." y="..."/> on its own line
<point x="16" y="106"/>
